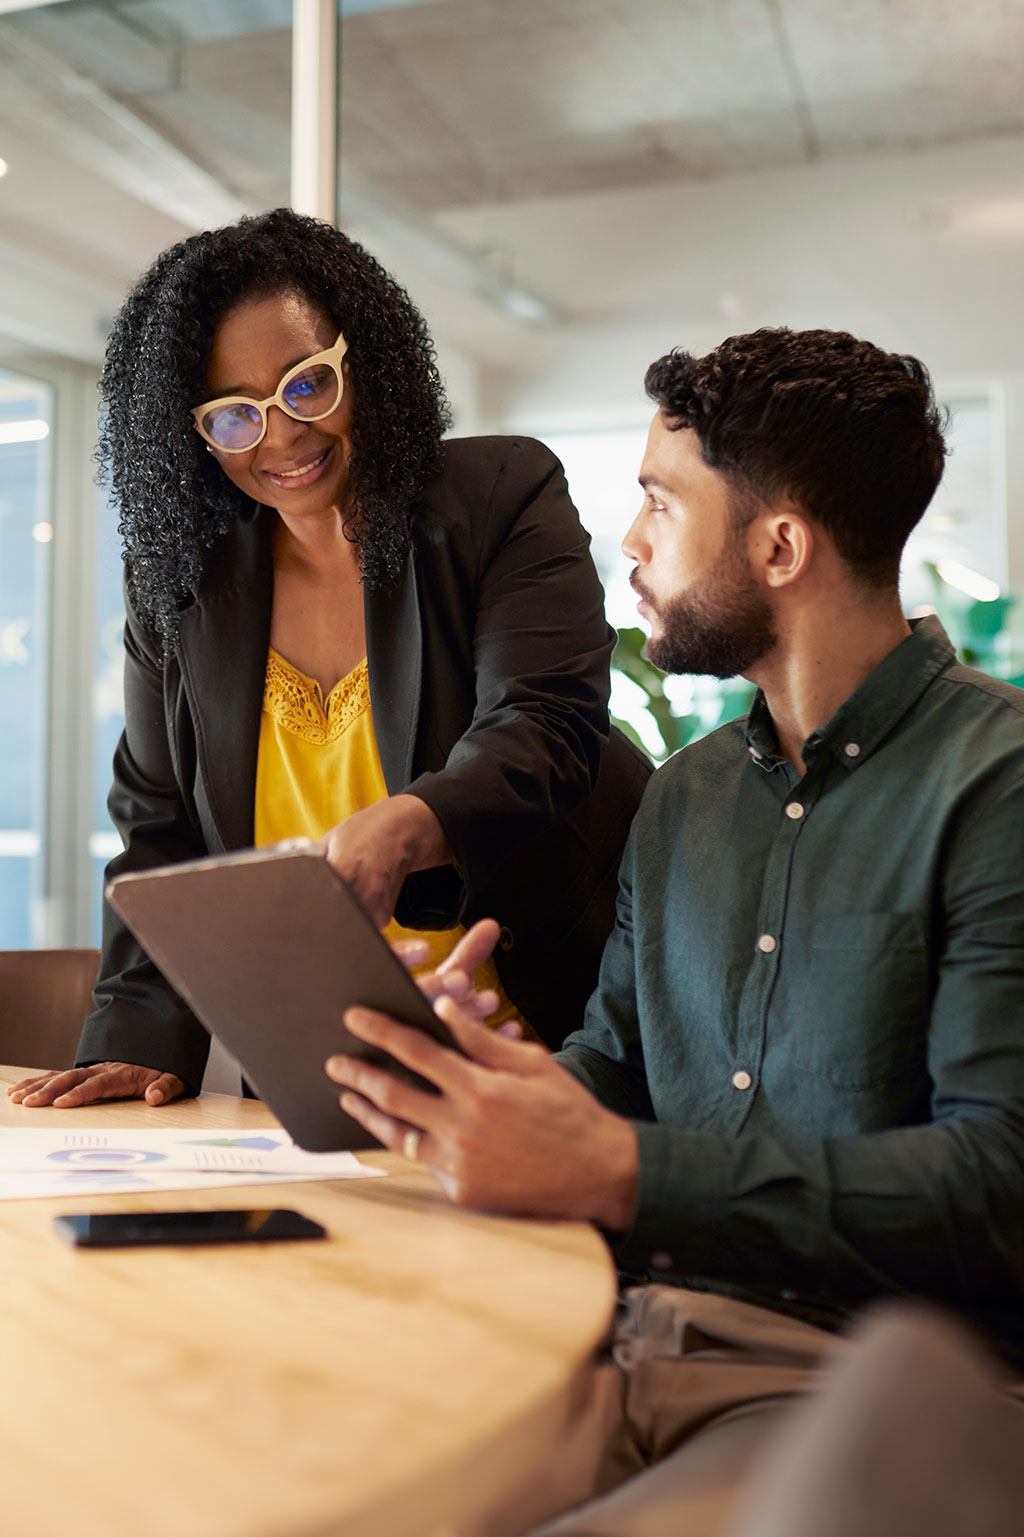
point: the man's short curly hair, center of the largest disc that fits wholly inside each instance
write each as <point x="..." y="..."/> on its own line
<point x="851" y="433"/>
<point x="174" y="499"/>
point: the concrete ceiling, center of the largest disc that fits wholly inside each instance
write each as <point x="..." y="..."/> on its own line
<point x="642" y="164"/>
<point x="466" y="101"/>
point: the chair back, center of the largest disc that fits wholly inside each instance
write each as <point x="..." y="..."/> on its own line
<point x="44" y="998"/>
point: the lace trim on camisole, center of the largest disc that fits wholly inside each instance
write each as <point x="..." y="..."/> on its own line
<point x="296" y="703"/>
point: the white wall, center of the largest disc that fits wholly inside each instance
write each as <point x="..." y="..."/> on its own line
<point x="921" y="253"/>
<point x="45" y="308"/>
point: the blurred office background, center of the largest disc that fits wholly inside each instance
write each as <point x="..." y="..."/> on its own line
<point x="567" y="188"/>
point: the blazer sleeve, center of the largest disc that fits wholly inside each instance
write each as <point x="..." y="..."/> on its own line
<point x="138" y="1017"/>
<point x="541" y="657"/>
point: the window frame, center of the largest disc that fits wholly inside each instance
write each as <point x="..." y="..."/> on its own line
<point x="63" y="916"/>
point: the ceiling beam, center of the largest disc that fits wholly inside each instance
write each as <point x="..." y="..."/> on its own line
<point x="81" y="121"/>
<point x="77" y="119"/>
<point x="24" y="5"/>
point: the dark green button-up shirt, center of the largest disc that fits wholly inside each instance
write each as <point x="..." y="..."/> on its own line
<point x="812" y="1004"/>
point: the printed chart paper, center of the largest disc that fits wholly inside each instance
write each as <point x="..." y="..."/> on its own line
<point x="38" y="1162"/>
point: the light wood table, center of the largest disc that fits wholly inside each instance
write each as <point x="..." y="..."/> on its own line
<point x="413" y="1376"/>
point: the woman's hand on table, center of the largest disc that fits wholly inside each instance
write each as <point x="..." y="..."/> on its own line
<point x="67" y="1089"/>
<point x="374" y="850"/>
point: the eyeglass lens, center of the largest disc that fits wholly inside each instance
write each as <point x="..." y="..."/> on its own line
<point x="311" y="393"/>
<point x="234" y="426"/>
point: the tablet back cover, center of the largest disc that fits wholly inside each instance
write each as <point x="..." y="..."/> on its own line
<point x="268" y="949"/>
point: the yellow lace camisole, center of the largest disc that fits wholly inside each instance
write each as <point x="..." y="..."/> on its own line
<point x="318" y="764"/>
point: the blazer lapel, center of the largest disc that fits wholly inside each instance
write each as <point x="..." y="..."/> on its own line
<point x="394" y="658"/>
<point x="222" y="644"/>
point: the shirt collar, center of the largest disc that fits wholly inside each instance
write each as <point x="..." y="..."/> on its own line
<point x="866" y="718"/>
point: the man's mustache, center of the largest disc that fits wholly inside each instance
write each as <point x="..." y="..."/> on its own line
<point x="641" y="591"/>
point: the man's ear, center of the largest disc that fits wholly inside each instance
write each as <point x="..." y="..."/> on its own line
<point x="786" y="541"/>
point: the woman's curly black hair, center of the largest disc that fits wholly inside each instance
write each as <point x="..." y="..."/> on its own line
<point x="174" y="499"/>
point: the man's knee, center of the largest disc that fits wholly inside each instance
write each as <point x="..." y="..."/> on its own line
<point x="912" y="1435"/>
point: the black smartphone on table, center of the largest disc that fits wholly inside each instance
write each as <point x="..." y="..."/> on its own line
<point x="120" y="1229"/>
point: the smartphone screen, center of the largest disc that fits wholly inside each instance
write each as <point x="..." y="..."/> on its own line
<point x="109" y="1229"/>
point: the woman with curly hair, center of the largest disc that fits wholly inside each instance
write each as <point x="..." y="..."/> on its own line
<point x="341" y="626"/>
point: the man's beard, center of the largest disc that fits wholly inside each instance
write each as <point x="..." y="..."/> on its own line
<point x="720" y="629"/>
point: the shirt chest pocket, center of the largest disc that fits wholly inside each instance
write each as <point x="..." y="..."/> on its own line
<point x="869" y="996"/>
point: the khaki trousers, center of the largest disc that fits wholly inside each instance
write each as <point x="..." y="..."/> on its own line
<point x="696" y="1387"/>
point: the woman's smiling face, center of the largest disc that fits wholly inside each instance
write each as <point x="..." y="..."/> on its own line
<point x="299" y="468"/>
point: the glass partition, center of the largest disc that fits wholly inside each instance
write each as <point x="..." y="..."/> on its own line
<point x="26" y="532"/>
<point x="124" y="127"/>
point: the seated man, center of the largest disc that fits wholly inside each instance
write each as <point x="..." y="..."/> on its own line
<point x="800" y="1083"/>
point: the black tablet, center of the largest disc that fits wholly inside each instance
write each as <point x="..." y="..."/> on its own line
<point x="268" y="948"/>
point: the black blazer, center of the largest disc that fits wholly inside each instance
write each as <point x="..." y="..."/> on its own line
<point x="488" y="668"/>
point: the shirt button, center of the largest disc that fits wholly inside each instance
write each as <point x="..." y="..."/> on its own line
<point x="741" y="1080"/>
<point x="794" y="811"/>
<point x="766" y="944"/>
<point x="852" y="750"/>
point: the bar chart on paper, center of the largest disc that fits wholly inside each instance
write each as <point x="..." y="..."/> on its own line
<point x="42" y="1162"/>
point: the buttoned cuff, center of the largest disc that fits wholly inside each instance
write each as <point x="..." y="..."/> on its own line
<point x="671" y="1205"/>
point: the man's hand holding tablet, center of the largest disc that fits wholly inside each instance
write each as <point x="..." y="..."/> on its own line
<point x="508" y="1129"/>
